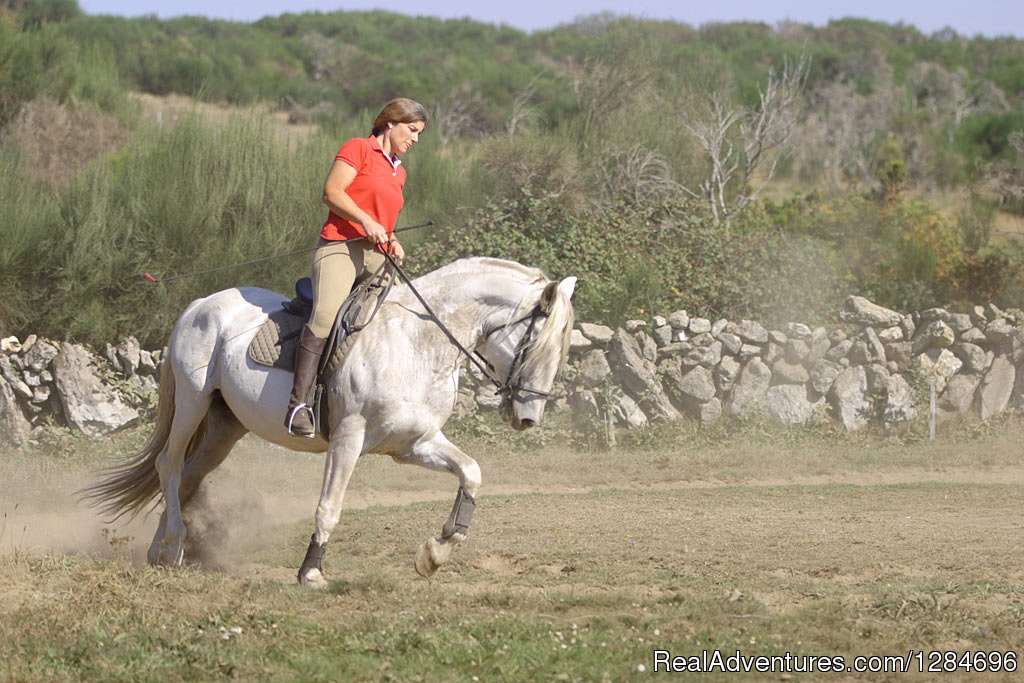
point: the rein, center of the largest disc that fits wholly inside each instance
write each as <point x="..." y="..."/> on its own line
<point x="506" y="388"/>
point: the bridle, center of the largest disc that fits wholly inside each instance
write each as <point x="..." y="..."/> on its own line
<point x="508" y="388"/>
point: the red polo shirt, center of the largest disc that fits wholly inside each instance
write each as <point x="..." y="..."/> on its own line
<point x="376" y="189"/>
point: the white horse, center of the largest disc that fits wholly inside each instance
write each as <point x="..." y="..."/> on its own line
<point x="392" y="394"/>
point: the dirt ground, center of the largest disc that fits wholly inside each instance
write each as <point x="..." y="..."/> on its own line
<point x="262" y="491"/>
<point x="866" y="546"/>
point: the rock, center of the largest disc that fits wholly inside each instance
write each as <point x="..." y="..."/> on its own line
<point x="875" y="347"/>
<point x="89" y="405"/>
<point x="974" y="336"/>
<point x="697" y="385"/>
<point x="959" y="322"/>
<point x="731" y="343"/>
<point x="974" y="358"/>
<point x="662" y="335"/>
<point x="899" y="402"/>
<point x="891" y="334"/>
<point x="486" y="398"/>
<point x="788" y="403"/>
<point x="726" y="373"/>
<point x="10" y="345"/>
<point x="577" y="343"/>
<point x="13" y="377"/>
<point x="41" y="394"/>
<point x="859" y="311"/>
<point x="680" y="320"/>
<point x="931" y="314"/>
<point x="15" y="429"/>
<point x="848" y="397"/>
<point x="659" y="321"/>
<point x="784" y="372"/>
<point x="839" y="351"/>
<point x="938" y="365"/>
<point x="699" y="325"/>
<point x="798" y="331"/>
<point x="908" y="326"/>
<point x="593" y="370"/>
<point x="998" y="330"/>
<point x="797" y="350"/>
<point x="772" y="353"/>
<point x="878" y="379"/>
<point x="978" y="316"/>
<point x="718" y="327"/>
<point x="934" y="335"/>
<point x="823" y="374"/>
<point x="959" y="396"/>
<point x="39" y="356"/>
<point x="129" y="354"/>
<point x="628" y="413"/>
<point x="996" y="386"/>
<point x="710" y="412"/>
<point x="900" y="353"/>
<point x="750" y="388"/>
<point x="148" y="365"/>
<point x="748" y="351"/>
<point x="702" y="339"/>
<point x="752" y="332"/>
<point x="674" y="349"/>
<point x="860" y="354"/>
<point x="777" y="337"/>
<point x="638" y="377"/>
<point x="819" y="345"/>
<point x="599" y="334"/>
<point x="707" y="356"/>
<point x="648" y="347"/>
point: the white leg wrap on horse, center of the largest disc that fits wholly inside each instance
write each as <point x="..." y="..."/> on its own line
<point x="462" y="513"/>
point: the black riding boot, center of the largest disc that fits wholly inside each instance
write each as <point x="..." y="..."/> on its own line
<point x="299" y="419"/>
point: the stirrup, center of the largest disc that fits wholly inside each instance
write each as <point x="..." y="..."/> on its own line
<point x="291" y="418"/>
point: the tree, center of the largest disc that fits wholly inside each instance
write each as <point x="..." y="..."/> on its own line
<point x="749" y="142"/>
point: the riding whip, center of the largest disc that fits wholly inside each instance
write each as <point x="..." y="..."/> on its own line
<point x="149" y="278"/>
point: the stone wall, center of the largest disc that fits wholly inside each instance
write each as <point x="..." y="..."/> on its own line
<point x="877" y="366"/>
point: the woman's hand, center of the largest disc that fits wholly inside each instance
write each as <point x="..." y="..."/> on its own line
<point x="397" y="251"/>
<point x="375" y="232"/>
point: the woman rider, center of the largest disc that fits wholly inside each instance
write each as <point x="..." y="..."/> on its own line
<point x="364" y="194"/>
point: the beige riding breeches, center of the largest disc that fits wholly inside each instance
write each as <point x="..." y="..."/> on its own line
<point x="337" y="268"/>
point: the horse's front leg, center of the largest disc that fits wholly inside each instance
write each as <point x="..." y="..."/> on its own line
<point x="440" y="454"/>
<point x="342" y="454"/>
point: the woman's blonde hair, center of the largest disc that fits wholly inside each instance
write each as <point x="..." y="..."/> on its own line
<point x="400" y="110"/>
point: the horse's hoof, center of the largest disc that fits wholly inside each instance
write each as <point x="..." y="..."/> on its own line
<point x="313" y="578"/>
<point x="166" y="555"/>
<point x="425" y="564"/>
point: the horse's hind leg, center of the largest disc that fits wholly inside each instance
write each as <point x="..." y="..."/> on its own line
<point x="440" y="454"/>
<point x="189" y="411"/>
<point x="222" y="432"/>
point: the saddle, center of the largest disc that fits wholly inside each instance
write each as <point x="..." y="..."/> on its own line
<point x="276" y="342"/>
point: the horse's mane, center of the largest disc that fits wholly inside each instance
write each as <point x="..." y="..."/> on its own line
<point x="485" y="265"/>
<point x="555" y="333"/>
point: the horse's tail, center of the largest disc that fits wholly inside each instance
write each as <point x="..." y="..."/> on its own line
<point x="128" y="487"/>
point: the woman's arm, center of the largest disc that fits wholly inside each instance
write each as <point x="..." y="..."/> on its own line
<point x="337" y="200"/>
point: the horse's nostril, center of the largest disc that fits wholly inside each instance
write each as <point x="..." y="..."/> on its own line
<point x="526" y="424"/>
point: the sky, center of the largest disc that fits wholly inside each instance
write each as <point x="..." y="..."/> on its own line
<point x="968" y="17"/>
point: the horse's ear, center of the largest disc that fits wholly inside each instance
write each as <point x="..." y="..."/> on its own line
<point x="566" y="287"/>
